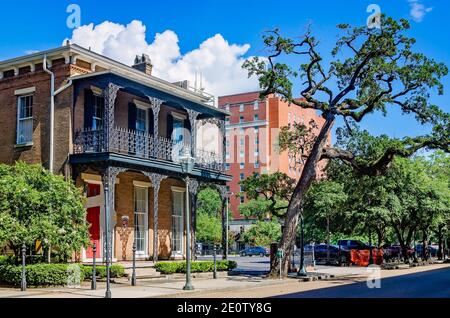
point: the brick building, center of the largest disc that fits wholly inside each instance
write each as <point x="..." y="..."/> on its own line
<point x="119" y="133"/>
<point x="251" y="141"/>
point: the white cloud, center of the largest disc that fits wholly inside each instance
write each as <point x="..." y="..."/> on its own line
<point x="219" y="61"/>
<point x="418" y="10"/>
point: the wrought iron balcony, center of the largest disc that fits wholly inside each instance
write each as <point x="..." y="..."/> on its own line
<point x="142" y="145"/>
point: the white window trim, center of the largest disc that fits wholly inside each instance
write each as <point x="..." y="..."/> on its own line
<point x="146" y="238"/>
<point x="96" y="91"/>
<point x="147" y="123"/>
<point x="141" y="184"/>
<point x="178" y="116"/>
<point x="27" y="143"/>
<point x="178" y="189"/>
<point x="25" y="91"/>
<point x="141" y="104"/>
<point x="176" y="254"/>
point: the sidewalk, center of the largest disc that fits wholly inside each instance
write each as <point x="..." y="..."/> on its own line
<point x="162" y="288"/>
<point x="232" y="286"/>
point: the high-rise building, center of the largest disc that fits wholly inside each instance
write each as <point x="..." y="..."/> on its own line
<point x="252" y="133"/>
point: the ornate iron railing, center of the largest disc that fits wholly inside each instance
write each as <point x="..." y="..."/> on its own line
<point x="143" y="145"/>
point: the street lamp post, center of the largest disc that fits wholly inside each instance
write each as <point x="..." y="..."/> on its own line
<point x="187" y="165"/>
<point x="302" y="271"/>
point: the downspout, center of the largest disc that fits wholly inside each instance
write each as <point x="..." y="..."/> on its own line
<point x="53" y="93"/>
<point x="52" y="111"/>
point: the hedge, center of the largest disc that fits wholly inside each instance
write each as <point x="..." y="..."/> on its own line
<point x="38" y="274"/>
<point x="51" y="274"/>
<point x="116" y="270"/>
<point x="196" y="267"/>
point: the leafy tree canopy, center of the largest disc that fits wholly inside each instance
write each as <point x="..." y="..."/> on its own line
<point x="38" y="205"/>
<point x="268" y="195"/>
<point x="263" y="233"/>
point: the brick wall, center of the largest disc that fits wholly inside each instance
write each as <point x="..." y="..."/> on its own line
<point x="38" y="152"/>
<point x="125" y="206"/>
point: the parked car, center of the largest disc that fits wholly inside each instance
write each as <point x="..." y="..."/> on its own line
<point x="433" y="250"/>
<point x="360" y="252"/>
<point x="337" y="256"/>
<point x="394" y="251"/>
<point x="353" y="245"/>
<point x="256" y="250"/>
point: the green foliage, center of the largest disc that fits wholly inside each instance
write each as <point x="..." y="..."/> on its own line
<point x="208" y="228"/>
<point x="116" y="271"/>
<point x="38" y="205"/>
<point x="209" y="202"/>
<point x="38" y="274"/>
<point x="196" y="267"/>
<point x="209" y="220"/>
<point x="263" y="233"/>
<point x="268" y="195"/>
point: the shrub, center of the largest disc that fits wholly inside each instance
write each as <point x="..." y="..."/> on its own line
<point x="38" y="274"/>
<point x="196" y="267"/>
<point x="116" y="271"/>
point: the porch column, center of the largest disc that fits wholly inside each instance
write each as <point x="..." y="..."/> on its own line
<point x="109" y="176"/>
<point x="193" y="120"/>
<point x="193" y="191"/>
<point x="110" y="98"/>
<point x="156" y="107"/>
<point x="224" y="195"/>
<point x="155" y="179"/>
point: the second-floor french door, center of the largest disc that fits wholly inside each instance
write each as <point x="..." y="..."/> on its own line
<point x="178" y="136"/>
<point x="142" y="128"/>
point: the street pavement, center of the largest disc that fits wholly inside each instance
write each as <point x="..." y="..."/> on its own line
<point x="427" y="284"/>
<point x="425" y="281"/>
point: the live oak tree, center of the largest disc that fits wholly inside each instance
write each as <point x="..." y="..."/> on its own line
<point x="371" y="70"/>
<point x="268" y="195"/>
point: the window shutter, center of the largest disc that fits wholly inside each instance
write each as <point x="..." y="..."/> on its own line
<point x="151" y="120"/>
<point x="88" y="108"/>
<point x="169" y="126"/>
<point x="132" y="116"/>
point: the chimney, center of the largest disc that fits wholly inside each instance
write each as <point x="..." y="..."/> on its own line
<point x="143" y="64"/>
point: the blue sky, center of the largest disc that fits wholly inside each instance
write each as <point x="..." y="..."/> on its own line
<point x="42" y="25"/>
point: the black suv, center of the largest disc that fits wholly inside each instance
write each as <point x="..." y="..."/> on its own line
<point x="353" y="245"/>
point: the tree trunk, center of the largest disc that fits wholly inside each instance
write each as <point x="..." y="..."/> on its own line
<point x="403" y="243"/>
<point x="425" y="251"/>
<point x="440" y="235"/>
<point x="295" y="204"/>
<point x="380" y="237"/>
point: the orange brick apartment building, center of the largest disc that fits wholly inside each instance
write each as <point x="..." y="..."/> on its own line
<point x="252" y="138"/>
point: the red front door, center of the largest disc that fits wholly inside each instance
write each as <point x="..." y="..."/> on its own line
<point x="93" y="218"/>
